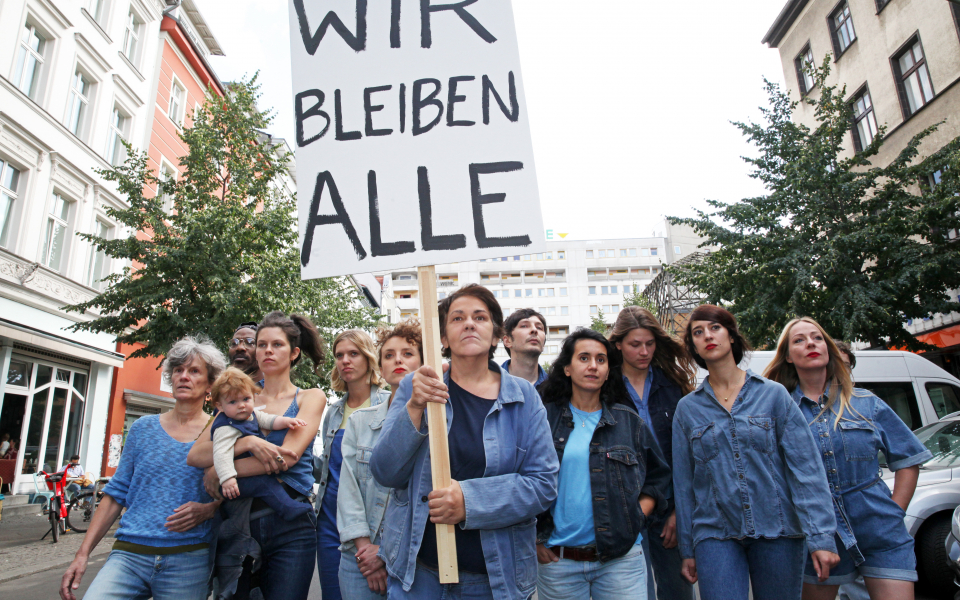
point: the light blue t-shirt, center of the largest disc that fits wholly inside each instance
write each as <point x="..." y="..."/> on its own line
<point x="573" y="510"/>
<point x="642" y="403"/>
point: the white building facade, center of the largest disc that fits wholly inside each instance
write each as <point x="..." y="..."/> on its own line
<point x="75" y="79"/>
<point x="570" y="283"/>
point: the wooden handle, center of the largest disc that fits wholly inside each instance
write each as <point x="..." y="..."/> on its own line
<point x="437" y="419"/>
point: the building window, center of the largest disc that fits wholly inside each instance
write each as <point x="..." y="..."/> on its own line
<point x="589" y="253"/>
<point x="563" y="291"/>
<point x="864" y="121"/>
<point x="604" y="290"/>
<point x="936" y="178"/>
<point x="561" y="255"/>
<point x="96" y="270"/>
<point x="30" y="61"/>
<point x="55" y="236"/>
<point x="119" y="128"/>
<point x="178" y="96"/>
<point x="913" y="78"/>
<point x="97" y="8"/>
<point x="804" y="65"/>
<point x="592" y="290"/>
<point x="594" y="309"/>
<point x="841" y="28"/>
<point x="676" y="249"/>
<point x="564" y="310"/>
<point x="529" y="293"/>
<point x="633" y="251"/>
<point x="644" y="251"/>
<point x="653" y="251"/>
<point x="79" y="101"/>
<point x="623" y="252"/>
<point x="551" y="311"/>
<point x="9" y="183"/>
<point x="517" y="293"/>
<point x="881" y="4"/>
<point x="167" y="174"/>
<point x="131" y="37"/>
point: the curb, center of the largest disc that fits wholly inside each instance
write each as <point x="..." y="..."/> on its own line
<point x="39" y="568"/>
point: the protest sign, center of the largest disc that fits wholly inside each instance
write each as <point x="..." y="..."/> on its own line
<point x="413" y="144"/>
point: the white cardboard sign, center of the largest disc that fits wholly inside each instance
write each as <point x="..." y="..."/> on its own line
<point x="413" y="144"/>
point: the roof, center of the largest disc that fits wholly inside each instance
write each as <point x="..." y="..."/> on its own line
<point x="783" y="22"/>
<point x="203" y="30"/>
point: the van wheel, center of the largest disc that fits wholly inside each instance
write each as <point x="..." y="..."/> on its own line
<point x="935" y="574"/>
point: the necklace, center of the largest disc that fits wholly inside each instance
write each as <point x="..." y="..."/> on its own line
<point x="727" y="397"/>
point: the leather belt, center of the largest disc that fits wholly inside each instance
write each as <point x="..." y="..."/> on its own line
<point x="580" y="554"/>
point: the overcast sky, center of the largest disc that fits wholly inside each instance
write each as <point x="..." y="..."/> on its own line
<point x="630" y="102"/>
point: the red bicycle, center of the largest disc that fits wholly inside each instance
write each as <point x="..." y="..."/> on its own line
<point x="58" y="509"/>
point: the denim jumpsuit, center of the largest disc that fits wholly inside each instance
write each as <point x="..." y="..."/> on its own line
<point x="869" y="523"/>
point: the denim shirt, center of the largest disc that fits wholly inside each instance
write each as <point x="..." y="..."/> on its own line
<point x="850" y="456"/>
<point x="329" y="427"/>
<point x="625" y="462"/>
<point x="520" y="482"/>
<point x="752" y="472"/>
<point x="361" y="501"/>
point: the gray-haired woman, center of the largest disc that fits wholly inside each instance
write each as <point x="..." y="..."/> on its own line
<point x="162" y="543"/>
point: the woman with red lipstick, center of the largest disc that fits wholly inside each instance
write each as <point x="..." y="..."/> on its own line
<point x="362" y="501"/>
<point x="851" y="425"/>
<point x="356" y="375"/>
<point x="657" y="372"/>
<point x="749" y="486"/>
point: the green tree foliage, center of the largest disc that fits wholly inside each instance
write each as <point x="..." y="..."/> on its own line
<point x="225" y="254"/>
<point x="598" y="324"/>
<point x="637" y="298"/>
<point x="860" y="248"/>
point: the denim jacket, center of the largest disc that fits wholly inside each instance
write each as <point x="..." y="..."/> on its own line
<point x="625" y="462"/>
<point x="328" y="428"/>
<point x="752" y="472"/>
<point x="862" y="502"/>
<point x="520" y="482"/>
<point x="361" y="501"/>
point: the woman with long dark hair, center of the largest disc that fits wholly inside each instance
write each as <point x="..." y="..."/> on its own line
<point x="657" y="371"/>
<point x="851" y="426"/>
<point x="288" y="549"/>
<point x="612" y="477"/>
<point x="748" y="483"/>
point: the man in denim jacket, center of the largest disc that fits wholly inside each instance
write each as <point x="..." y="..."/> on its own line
<point x="520" y="482"/>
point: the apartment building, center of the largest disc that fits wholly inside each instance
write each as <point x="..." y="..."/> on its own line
<point x="900" y="63"/>
<point x="76" y="76"/>
<point x="183" y="79"/>
<point x="570" y="283"/>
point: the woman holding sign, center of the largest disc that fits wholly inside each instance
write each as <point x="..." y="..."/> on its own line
<point x="502" y="462"/>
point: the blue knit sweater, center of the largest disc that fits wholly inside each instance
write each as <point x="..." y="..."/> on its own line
<point x="153" y="479"/>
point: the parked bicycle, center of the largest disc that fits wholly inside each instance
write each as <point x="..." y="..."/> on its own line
<point x="84" y="504"/>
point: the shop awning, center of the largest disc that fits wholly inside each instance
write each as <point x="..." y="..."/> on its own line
<point x="942" y="338"/>
<point x="56" y="343"/>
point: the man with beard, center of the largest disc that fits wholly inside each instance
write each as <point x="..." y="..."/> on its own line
<point x="526" y="331"/>
<point x="243" y="350"/>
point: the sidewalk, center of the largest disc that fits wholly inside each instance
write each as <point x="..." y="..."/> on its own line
<point x="22" y="553"/>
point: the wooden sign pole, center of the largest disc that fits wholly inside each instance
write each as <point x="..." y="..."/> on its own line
<point x="437" y="419"/>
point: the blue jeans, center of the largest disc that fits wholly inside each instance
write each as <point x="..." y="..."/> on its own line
<point x="773" y="567"/>
<point x="288" y="550"/>
<point x="427" y="586"/>
<point x="624" y="577"/>
<point x="664" y="564"/>
<point x="129" y="576"/>
<point x="353" y="585"/>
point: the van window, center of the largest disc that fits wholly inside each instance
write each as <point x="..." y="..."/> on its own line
<point x="900" y="397"/>
<point x="945" y="398"/>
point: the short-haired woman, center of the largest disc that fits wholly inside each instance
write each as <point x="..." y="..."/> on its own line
<point x="657" y="371"/>
<point x="288" y="549"/>
<point x="355" y="374"/>
<point x="502" y="462"/>
<point x="162" y="547"/>
<point x="362" y="501"/>
<point x="748" y="483"/>
<point x="851" y="426"/>
<point x="612" y="477"/>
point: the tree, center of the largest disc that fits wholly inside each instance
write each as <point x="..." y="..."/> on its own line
<point x="225" y="254"/>
<point x="598" y="324"/>
<point x="858" y="247"/>
<point x="637" y="298"/>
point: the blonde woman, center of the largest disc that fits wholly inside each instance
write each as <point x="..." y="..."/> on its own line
<point x="850" y="426"/>
<point x="356" y="377"/>
<point x="362" y="501"/>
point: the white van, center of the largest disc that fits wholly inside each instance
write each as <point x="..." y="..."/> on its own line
<point x="915" y="388"/>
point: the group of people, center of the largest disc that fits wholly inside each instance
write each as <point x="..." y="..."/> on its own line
<point x="610" y="476"/>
